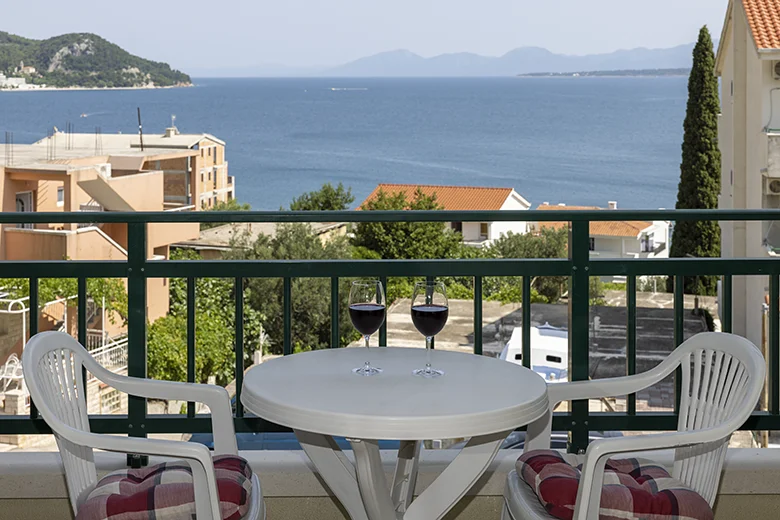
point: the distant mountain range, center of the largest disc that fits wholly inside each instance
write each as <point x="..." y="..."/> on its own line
<point x="525" y="60"/>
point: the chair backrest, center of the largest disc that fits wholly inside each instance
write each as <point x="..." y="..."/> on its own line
<point x="52" y="363"/>
<point x="722" y="379"/>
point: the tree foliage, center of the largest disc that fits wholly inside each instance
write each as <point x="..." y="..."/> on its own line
<point x="700" y="171"/>
<point x="84" y="60"/>
<point x="407" y="240"/>
<point x="51" y="289"/>
<point x="326" y="198"/>
<point x="214" y="330"/>
<point x="231" y="205"/>
<point x="311" y="324"/>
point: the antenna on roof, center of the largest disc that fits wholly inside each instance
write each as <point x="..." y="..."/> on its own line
<point x="173" y="121"/>
<point x="140" y="129"/>
<point x="9" y="148"/>
<point x="98" y="141"/>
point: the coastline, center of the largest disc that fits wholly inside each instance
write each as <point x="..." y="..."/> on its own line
<point x="53" y="89"/>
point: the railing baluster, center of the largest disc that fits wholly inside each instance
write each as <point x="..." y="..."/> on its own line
<point x="239" y="344"/>
<point x="335" y="335"/>
<point x="34" y="313"/>
<point x="631" y="337"/>
<point x="82" y="323"/>
<point x="191" y="339"/>
<point x="579" y="320"/>
<point x="526" y="310"/>
<point x="136" y="330"/>
<point x="726" y="301"/>
<point x="774" y="345"/>
<point x="383" y="328"/>
<point x="287" y="318"/>
<point x="429" y="300"/>
<point x="478" y="315"/>
<point x="679" y="332"/>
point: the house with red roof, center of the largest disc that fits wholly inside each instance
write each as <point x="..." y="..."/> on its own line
<point x="466" y="198"/>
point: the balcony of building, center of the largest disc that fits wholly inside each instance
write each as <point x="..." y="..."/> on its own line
<point x="32" y="483"/>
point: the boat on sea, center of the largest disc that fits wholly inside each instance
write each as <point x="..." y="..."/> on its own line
<point x="549" y="351"/>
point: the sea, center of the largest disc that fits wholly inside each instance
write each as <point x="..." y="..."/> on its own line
<point x="578" y="141"/>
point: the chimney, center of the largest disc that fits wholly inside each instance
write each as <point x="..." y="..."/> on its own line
<point x="612" y="204"/>
<point x="171" y="131"/>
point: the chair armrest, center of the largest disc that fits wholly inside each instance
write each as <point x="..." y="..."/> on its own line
<point x="592" y="474"/>
<point x="197" y="455"/>
<point x="215" y="397"/>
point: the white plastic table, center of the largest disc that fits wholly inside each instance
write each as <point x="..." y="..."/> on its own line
<point x="317" y="395"/>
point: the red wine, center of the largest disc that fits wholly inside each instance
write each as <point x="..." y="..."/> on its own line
<point x="430" y="319"/>
<point x="367" y="317"/>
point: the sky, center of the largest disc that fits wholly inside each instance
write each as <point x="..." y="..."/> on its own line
<point x="204" y="34"/>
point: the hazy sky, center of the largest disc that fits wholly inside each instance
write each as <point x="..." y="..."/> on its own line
<point x="226" y="33"/>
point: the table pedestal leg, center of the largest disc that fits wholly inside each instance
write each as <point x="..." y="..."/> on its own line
<point x="335" y="469"/>
<point x="372" y="481"/>
<point x="405" y="478"/>
<point x="456" y="480"/>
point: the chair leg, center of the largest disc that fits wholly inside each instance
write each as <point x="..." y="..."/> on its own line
<point x="505" y="514"/>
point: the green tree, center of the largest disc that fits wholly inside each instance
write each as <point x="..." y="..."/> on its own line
<point x="50" y="289"/>
<point x="214" y="330"/>
<point x="407" y="240"/>
<point x="310" y="296"/>
<point x="548" y="243"/>
<point x="326" y="198"/>
<point x="701" y="167"/>
<point x="231" y="205"/>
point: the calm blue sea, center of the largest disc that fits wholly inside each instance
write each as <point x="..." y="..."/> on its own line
<point x="573" y="140"/>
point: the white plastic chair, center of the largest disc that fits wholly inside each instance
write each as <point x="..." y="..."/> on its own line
<point x="722" y="379"/>
<point x="53" y="364"/>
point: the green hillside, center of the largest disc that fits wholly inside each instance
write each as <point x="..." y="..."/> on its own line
<point x="83" y="60"/>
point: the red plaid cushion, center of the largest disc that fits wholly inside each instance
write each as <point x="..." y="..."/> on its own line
<point x="165" y="492"/>
<point x="633" y="488"/>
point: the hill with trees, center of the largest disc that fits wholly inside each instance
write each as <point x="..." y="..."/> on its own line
<point x="82" y="60"/>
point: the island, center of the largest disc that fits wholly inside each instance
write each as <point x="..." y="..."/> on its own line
<point x="610" y="73"/>
<point x="79" y="60"/>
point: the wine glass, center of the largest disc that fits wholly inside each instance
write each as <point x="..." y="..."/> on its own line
<point x="430" y="311"/>
<point x="367" y="312"/>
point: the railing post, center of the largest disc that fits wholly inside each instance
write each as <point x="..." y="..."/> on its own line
<point x="579" y="321"/>
<point x="136" y="330"/>
<point x="478" y="315"/>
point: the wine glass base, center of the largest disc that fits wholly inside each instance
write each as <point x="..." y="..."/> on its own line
<point x="367" y="371"/>
<point x="429" y="373"/>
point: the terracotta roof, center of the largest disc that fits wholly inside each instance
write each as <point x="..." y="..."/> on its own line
<point x="764" y="20"/>
<point x="452" y="198"/>
<point x="631" y="228"/>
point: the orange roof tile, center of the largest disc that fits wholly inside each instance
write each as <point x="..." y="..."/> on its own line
<point x="452" y="198"/>
<point x="631" y="228"/>
<point x="764" y="20"/>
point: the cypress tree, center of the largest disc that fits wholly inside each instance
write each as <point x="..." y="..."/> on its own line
<point x="701" y="166"/>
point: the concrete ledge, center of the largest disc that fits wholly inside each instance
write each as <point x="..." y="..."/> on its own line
<point x="39" y="475"/>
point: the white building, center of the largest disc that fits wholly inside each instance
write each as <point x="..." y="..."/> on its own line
<point x="622" y="239"/>
<point x="6" y="82"/>
<point x="748" y="63"/>
<point x="467" y="198"/>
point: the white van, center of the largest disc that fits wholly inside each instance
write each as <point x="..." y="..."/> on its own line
<point x="549" y="351"/>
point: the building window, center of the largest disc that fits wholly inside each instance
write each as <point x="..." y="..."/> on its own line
<point x="647" y="243"/>
<point x="60" y="196"/>
<point x="209" y="175"/>
<point x="483" y="230"/>
<point x="592" y="245"/>
<point x="457" y="227"/>
<point x="110" y="402"/>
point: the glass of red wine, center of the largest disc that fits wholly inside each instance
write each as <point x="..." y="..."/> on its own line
<point x="367" y="312"/>
<point x="430" y="311"/>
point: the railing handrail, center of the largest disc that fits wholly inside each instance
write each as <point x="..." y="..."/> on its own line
<point x="392" y="216"/>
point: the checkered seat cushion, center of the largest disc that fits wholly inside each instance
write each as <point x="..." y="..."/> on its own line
<point x="633" y="489"/>
<point x="166" y="492"/>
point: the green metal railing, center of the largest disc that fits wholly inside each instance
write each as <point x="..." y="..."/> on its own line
<point x="579" y="267"/>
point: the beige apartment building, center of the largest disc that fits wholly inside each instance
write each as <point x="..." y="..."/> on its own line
<point x="89" y="173"/>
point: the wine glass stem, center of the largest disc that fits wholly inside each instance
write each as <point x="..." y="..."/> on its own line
<point x="428" y="340"/>
<point x="367" y="365"/>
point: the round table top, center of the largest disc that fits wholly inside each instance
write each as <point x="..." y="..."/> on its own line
<point x="317" y="392"/>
